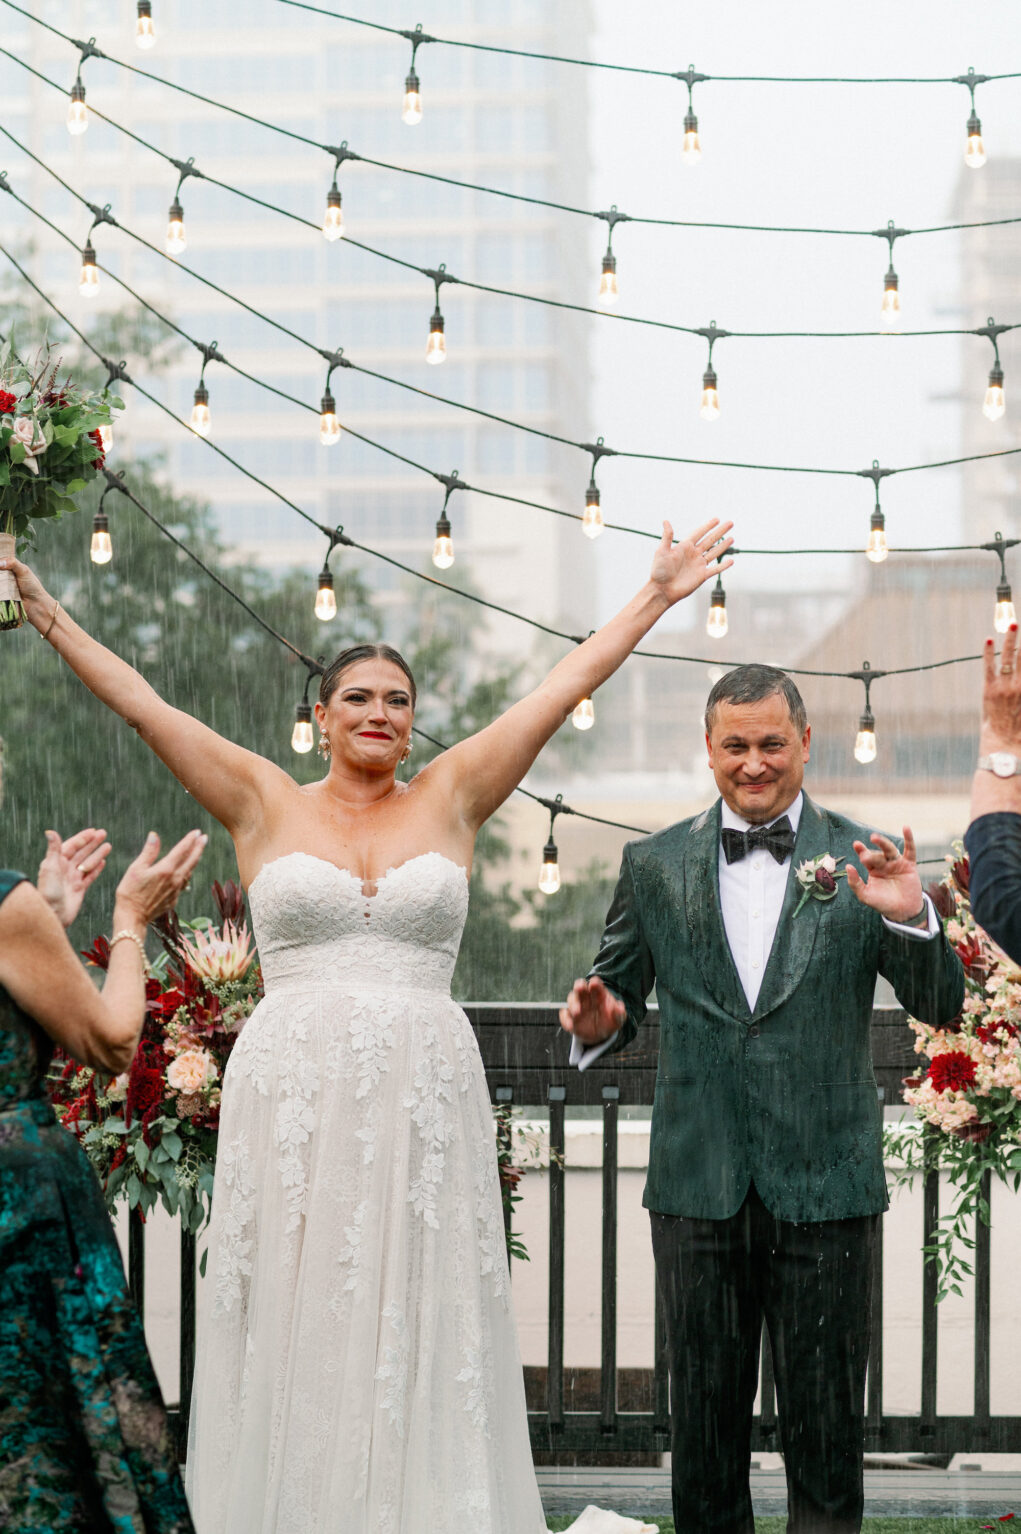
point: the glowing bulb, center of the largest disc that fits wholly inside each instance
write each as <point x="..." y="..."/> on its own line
<point x="201" y="421"/>
<point x="77" y="113"/>
<point x="329" y="426"/>
<point x="1004" y="615"/>
<point x="876" y="549"/>
<point x="106" y="436"/>
<point x="412" y="112"/>
<point x="710" y="407"/>
<point x="865" y="740"/>
<point x="975" y="152"/>
<point x="995" y="402"/>
<point x="716" y="619"/>
<point x="890" y="312"/>
<point x="549" y="873"/>
<point x="88" y="281"/>
<point x="436" y="346"/>
<point x="608" y="290"/>
<point x="145" y="35"/>
<point x="592" y="523"/>
<point x="301" y="735"/>
<point x="101" y="549"/>
<point x="443" y="548"/>
<point x="333" y="220"/>
<point x="691" y="149"/>
<point x="326" y="600"/>
<point x="176" y="241"/>
<point x="584" y="716"/>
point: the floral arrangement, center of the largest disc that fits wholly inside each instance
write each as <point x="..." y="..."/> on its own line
<point x="51" y="446"/>
<point x="969" y="1097"/>
<point x="817" y="878"/>
<point x="151" y="1133"/>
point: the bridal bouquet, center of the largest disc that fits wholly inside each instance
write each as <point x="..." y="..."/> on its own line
<point x="968" y="1097"/>
<point x="51" y="445"/>
<point x="151" y="1133"/>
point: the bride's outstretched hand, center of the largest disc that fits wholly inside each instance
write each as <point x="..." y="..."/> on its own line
<point x="680" y="568"/>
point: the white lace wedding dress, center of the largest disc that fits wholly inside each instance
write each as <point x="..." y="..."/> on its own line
<point x="357" y="1368"/>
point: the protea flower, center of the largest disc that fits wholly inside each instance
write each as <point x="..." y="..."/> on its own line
<point x="218" y="956"/>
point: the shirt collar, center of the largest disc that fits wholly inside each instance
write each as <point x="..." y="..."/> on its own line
<point x="729" y="817"/>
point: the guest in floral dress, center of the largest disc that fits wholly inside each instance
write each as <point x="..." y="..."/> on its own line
<point x="84" y="1443"/>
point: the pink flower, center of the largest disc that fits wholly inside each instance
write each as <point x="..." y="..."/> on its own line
<point x="216" y="958"/>
<point x="25" y="431"/>
<point x="191" y="1071"/>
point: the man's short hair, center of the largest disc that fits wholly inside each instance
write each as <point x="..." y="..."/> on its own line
<point x="750" y="684"/>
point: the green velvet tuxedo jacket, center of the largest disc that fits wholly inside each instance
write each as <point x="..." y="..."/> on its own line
<point x="782" y="1094"/>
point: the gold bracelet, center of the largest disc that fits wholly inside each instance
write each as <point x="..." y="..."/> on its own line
<point x="132" y="937"/>
<point x="53" y="619"/>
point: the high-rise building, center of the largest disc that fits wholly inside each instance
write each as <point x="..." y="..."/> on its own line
<point x="489" y="119"/>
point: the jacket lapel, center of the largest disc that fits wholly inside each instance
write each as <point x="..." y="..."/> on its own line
<point x="705" y="917"/>
<point x="795" y="938"/>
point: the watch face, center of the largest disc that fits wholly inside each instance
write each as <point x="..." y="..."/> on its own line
<point x="1003" y="763"/>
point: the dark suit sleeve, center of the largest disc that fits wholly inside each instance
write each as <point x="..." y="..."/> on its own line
<point x="624" y="962"/>
<point x="926" y="975"/>
<point x="994" y="853"/>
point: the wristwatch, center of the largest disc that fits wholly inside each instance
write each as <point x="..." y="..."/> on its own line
<point x="1004" y="764"/>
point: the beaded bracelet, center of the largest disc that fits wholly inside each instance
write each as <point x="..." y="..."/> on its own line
<point x="132" y="937"/>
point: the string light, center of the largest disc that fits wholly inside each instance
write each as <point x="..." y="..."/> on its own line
<point x="77" y="112"/>
<point x="411" y="111"/>
<point x="1004" y="614"/>
<point x="329" y="426"/>
<point x="584" y="715"/>
<point x="443" y="547"/>
<point x="877" y="548"/>
<point x="549" y="872"/>
<point x="865" y="739"/>
<point x="333" y="219"/>
<point x="436" y="346"/>
<point x="176" y="240"/>
<point x="592" y="523"/>
<point x="106" y="436"/>
<point x="890" y="311"/>
<point x="326" y="600"/>
<point x="101" y="547"/>
<point x="691" y="147"/>
<point x="302" y="739"/>
<point x="709" y="408"/>
<point x="145" y="35"/>
<point x="994" y="403"/>
<point x="608" y="290"/>
<point x="201" y="421"/>
<point x="716" y="619"/>
<point x="88" y="280"/>
<point x="974" y="149"/>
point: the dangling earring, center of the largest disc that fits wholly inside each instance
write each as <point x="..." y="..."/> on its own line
<point x="406" y="752"/>
<point x="324" y="748"/>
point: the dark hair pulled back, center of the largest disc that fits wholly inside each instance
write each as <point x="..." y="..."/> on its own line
<point x="351" y="657"/>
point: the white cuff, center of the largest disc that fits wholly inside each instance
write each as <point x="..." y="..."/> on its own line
<point x="583" y="1057"/>
<point x="923" y="933"/>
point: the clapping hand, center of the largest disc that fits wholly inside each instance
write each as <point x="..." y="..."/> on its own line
<point x="1001" y="696"/>
<point x="680" y="568"/>
<point x="891" y="885"/>
<point x="592" y="1014"/>
<point x="68" y="869"/>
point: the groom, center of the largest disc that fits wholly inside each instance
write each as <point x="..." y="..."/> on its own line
<point x="765" y="1163"/>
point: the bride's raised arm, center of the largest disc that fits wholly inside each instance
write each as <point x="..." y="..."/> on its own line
<point x="224" y="778"/>
<point x="482" y="771"/>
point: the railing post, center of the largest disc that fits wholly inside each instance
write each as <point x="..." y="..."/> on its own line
<point x="136" y="1260"/>
<point x="980" y="1405"/>
<point x="930" y="1218"/>
<point x="555" y="1341"/>
<point x="186" y="1368"/>
<point x="608" y="1370"/>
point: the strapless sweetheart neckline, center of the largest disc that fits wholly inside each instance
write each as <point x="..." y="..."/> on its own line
<point x="347" y="873"/>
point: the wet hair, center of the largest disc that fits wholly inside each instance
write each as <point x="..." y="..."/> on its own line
<point x="751" y="684"/>
<point x="351" y="657"/>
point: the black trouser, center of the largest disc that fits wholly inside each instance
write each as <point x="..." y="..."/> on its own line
<point x="811" y="1283"/>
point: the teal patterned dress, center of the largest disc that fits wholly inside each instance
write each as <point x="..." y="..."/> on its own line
<point x="84" y="1442"/>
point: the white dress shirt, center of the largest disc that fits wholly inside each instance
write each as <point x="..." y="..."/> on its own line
<point x="752" y="893"/>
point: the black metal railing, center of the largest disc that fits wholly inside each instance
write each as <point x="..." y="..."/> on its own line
<point x="526" y="1058"/>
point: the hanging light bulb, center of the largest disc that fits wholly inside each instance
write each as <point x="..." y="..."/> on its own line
<point x="77" y="113"/>
<point x="443" y="548"/>
<point x="145" y="35"/>
<point x="549" y="873"/>
<point x="584" y="716"/>
<point x="710" y="408"/>
<point x="691" y="149"/>
<point x="333" y="219"/>
<point x="329" y="426"/>
<point x="201" y="421"/>
<point x="101" y="549"/>
<point x="608" y="290"/>
<point x="975" y="151"/>
<point x="1004" y="615"/>
<point x="876" y="549"/>
<point x="106" y="436"/>
<point x="865" y="740"/>
<point x="326" y="600"/>
<point x="436" y="346"/>
<point x="716" y="620"/>
<point x="88" y="281"/>
<point x="176" y="241"/>
<point x="994" y="403"/>
<point x="592" y="523"/>
<point x="301" y="735"/>
<point x="890" y="312"/>
<point x="412" y="111"/>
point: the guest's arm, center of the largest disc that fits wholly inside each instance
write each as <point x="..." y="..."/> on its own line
<point x="993" y="839"/>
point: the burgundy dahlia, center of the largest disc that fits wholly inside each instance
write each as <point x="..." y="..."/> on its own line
<point x="952" y="1071"/>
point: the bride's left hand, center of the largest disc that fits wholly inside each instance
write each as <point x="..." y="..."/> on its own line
<point x="680" y="568"/>
<point x="68" y="869"/>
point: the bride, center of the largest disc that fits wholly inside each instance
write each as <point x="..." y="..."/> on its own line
<point x="357" y="1365"/>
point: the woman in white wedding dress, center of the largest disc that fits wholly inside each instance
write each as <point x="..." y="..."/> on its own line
<point x="357" y="1368"/>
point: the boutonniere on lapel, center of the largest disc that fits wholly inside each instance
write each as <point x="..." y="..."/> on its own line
<point x="818" y="878"/>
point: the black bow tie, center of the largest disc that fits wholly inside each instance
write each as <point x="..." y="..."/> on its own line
<point x="777" y="839"/>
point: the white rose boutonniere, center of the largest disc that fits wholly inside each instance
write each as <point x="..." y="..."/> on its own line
<point x="818" y="878"/>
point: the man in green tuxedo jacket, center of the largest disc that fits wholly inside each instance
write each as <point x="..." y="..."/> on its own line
<point x="765" y="1162"/>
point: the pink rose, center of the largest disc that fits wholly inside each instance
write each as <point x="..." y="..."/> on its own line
<point x="191" y="1071"/>
<point x="24" y="431"/>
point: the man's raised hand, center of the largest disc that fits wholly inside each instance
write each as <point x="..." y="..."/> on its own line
<point x="592" y="1014"/>
<point x="891" y="886"/>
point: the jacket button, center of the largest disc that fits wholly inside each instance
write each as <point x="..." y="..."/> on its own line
<point x="754" y="1031"/>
